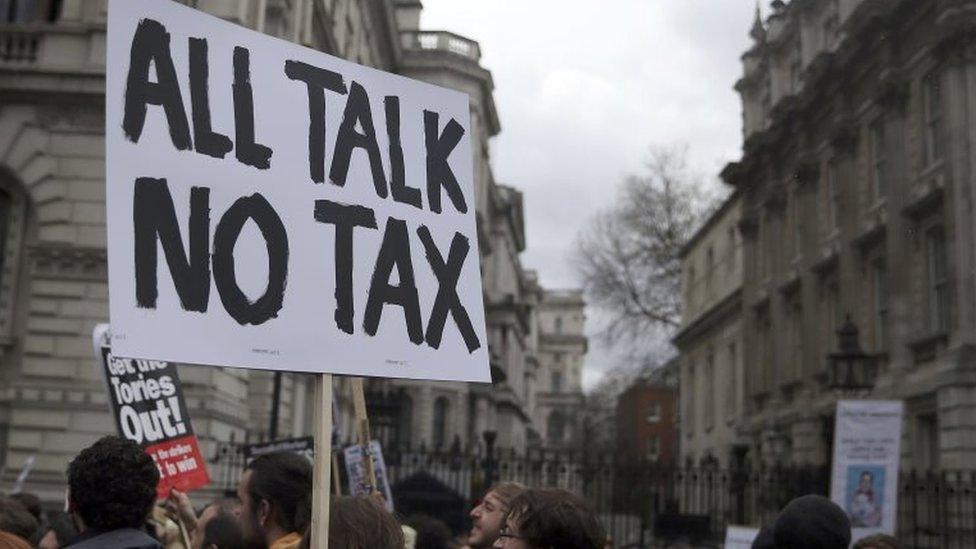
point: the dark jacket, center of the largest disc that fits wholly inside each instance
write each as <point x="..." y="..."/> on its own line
<point x="123" y="538"/>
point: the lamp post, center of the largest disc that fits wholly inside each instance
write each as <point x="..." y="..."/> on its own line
<point x="850" y="368"/>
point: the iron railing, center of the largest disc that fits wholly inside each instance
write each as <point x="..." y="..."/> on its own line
<point x="644" y="504"/>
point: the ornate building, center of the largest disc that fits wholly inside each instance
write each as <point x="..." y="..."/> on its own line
<point x="857" y="187"/>
<point x="53" y="286"/>
<point x="562" y="348"/>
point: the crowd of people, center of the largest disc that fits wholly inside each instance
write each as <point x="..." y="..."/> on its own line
<point x="110" y="502"/>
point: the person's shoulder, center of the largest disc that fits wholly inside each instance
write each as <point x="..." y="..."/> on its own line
<point x="124" y="538"/>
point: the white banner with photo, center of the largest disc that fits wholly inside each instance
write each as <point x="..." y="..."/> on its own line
<point x="867" y="451"/>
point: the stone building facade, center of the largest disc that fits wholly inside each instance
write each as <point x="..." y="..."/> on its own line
<point x="53" y="284"/>
<point x="562" y="347"/>
<point x="857" y="188"/>
<point x="711" y="381"/>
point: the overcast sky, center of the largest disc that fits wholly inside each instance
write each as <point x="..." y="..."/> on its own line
<point x="584" y="88"/>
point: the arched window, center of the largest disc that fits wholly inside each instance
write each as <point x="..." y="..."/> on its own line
<point x="405" y="422"/>
<point x="556" y="428"/>
<point x="13" y="214"/>
<point x="441" y="408"/>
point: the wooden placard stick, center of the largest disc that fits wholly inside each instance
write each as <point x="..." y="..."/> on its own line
<point x="362" y="424"/>
<point x="322" y="469"/>
<point x="336" y="484"/>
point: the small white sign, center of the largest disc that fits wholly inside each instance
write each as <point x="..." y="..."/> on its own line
<point x="740" y="537"/>
<point x="270" y="206"/>
<point x="867" y="450"/>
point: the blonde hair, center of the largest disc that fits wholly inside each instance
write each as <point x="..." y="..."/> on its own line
<point x="10" y="541"/>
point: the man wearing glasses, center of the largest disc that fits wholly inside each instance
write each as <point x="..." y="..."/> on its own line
<point x="488" y="516"/>
<point x="550" y="519"/>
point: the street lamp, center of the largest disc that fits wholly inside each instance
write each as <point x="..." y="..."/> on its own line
<point x="850" y="368"/>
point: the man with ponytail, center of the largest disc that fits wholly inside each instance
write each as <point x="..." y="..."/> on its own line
<point x="276" y="498"/>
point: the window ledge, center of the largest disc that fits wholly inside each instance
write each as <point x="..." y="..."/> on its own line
<point x="926" y="348"/>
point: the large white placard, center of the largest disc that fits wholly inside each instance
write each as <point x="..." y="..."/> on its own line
<point x="270" y="206"/>
<point x="864" y="479"/>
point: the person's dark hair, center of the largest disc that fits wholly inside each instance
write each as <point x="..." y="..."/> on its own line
<point x="556" y="519"/>
<point x="362" y="522"/>
<point x="112" y="484"/>
<point x="812" y="522"/>
<point x="30" y="502"/>
<point x="223" y="531"/>
<point x="16" y="519"/>
<point x="877" y="541"/>
<point x="431" y="532"/>
<point x="60" y="523"/>
<point x="284" y="480"/>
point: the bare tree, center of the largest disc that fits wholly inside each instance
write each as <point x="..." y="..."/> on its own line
<point x="628" y="257"/>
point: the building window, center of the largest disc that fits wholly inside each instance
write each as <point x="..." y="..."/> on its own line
<point x="879" y="283"/>
<point x="654" y="412"/>
<point x="689" y="396"/>
<point x="709" y="267"/>
<point x="796" y="65"/>
<point x="404" y="422"/>
<point x="926" y="442"/>
<point x="556" y="428"/>
<point x="653" y="447"/>
<point x="938" y="279"/>
<point x="761" y="231"/>
<point x="730" y="265"/>
<point x="796" y="337"/>
<point x="441" y="409"/>
<point x="690" y="287"/>
<point x="709" y="397"/>
<point x="932" y="111"/>
<point x="829" y="25"/>
<point x="559" y="324"/>
<point x="833" y="196"/>
<point x="29" y="11"/>
<point x="797" y="219"/>
<point x="557" y="382"/>
<point x="831" y="311"/>
<point x="878" y="160"/>
<point x="731" y="388"/>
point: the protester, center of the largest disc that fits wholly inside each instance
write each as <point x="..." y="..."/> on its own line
<point x="877" y="541"/>
<point x="58" y="532"/>
<point x="10" y="541"/>
<point x="31" y="502"/>
<point x="111" y="491"/>
<point x="217" y="527"/>
<point x="488" y="516"/>
<point x="431" y="533"/>
<point x="16" y="519"/>
<point x="276" y="495"/>
<point x="362" y="522"/>
<point x="221" y="530"/>
<point x="550" y="519"/>
<point x="807" y="522"/>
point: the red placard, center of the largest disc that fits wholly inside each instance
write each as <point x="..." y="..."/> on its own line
<point x="147" y="402"/>
<point x="180" y="464"/>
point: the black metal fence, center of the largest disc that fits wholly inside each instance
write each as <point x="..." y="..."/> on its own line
<point x="645" y="504"/>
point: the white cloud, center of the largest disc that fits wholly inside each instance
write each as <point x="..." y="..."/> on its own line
<point x="584" y="88"/>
